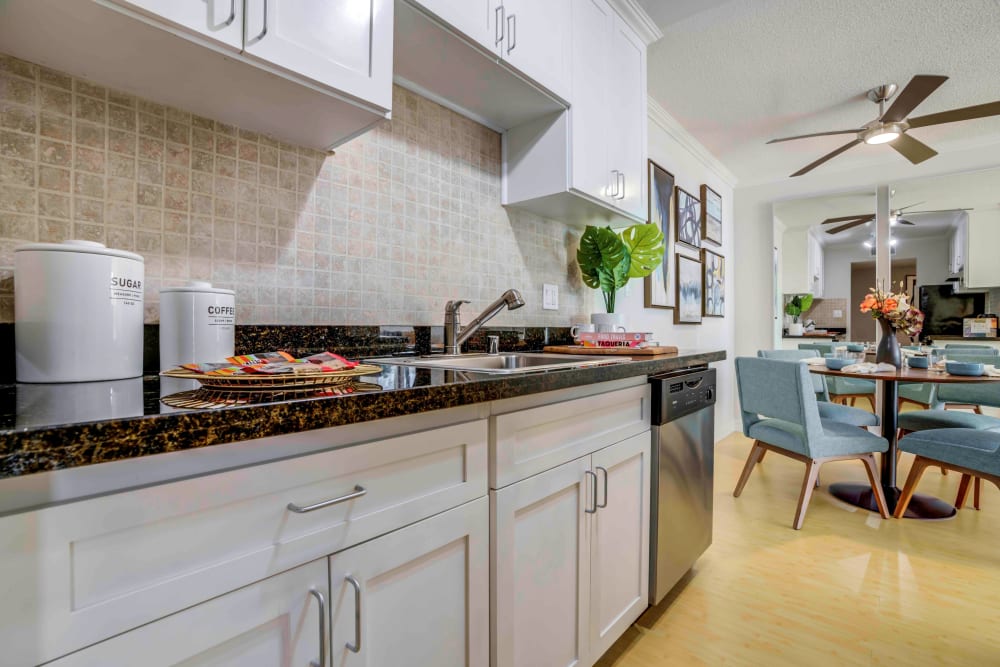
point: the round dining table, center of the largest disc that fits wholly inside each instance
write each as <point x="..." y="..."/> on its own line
<point x="861" y="495"/>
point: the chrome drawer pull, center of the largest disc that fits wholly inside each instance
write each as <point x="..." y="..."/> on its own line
<point x="605" y="503"/>
<point x="356" y="647"/>
<point x="593" y="510"/>
<point x="232" y="13"/>
<point x="357" y="493"/>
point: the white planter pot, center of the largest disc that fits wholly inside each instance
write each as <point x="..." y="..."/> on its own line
<point x="795" y="329"/>
<point x="607" y="322"/>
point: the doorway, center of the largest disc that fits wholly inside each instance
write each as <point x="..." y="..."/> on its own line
<point x="863" y="279"/>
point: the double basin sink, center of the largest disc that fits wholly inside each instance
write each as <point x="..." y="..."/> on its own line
<point x="509" y="363"/>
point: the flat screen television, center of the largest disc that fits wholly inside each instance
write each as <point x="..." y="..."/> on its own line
<point x="944" y="309"/>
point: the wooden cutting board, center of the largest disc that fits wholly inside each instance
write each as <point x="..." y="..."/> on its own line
<point x="623" y="351"/>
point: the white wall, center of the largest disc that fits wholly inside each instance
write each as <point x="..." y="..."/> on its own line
<point x="754" y="214"/>
<point x="675" y="151"/>
<point x="931" y="255"/>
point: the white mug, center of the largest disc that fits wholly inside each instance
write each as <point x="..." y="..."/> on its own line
<point x="577" y="329"/>
<point x="608" y="322"/>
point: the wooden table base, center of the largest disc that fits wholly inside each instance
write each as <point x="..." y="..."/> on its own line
<point x="923" y="507"/>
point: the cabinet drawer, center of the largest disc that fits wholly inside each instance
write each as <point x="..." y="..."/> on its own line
<point x="81" y="572"/>
<point x="527" y="442"/>
<point x="273" y="622"/>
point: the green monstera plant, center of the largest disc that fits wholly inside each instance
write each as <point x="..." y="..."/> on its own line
<point x="608" y="259"/>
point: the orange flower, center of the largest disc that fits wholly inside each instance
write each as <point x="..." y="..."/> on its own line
<point x="889" y="305"/>
<point x="868" y="303"/>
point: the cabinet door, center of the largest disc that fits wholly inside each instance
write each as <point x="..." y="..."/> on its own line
<point x="221" y="21"/>
<point x="471" y="18"/>
<point x="417" y="597"/>
<point x="537" y="41"/>
<point x="589" y="115"/>
<point x="540" y="568"/>
<point x="619" y="566"/>
<point x="626" y="130"/>
<point x="342" y="45"/>
<point x="273" y="622"/>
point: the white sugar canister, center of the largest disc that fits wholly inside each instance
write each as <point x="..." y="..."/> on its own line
<point x="197" y="323"/>
<point x="77" y="312"/>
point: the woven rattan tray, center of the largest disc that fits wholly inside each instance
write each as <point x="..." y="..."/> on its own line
<point x="205" y="398"/>
<point x="261" y="382"/>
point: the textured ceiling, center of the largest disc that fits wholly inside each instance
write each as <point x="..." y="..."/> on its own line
<point x="738" y="73"/>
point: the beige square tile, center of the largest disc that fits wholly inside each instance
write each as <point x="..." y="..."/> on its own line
<point x="17" y="145"/>
<point x="17" y="172"/>
<point x="18" y="117"/>
<point x="17" y="200"/>
<point x="54" y="205"/>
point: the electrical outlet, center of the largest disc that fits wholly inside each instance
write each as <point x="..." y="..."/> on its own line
<point x="838" y="313"/>
<point x="550" y="297"/>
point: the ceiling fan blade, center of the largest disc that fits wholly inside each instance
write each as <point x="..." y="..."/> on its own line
<point x="850" y="225"/>
<point x="829" y="156"/>
<point x="943" y="210"/>
<point x="815" y="134"/>
<point x="917" y="90"/>
<point x="955" y="115"/>
<point x="904" y="222"/>
<point x="866" y="216"/>
<point x="903" y="208"/>
<point x="912" y="149"/>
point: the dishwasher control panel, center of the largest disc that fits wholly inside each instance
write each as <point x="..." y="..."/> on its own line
<point x="681" y="392"/>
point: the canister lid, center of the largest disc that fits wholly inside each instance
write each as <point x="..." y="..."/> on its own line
<point x="199" y="286"/>
<point x="77" y="245"/>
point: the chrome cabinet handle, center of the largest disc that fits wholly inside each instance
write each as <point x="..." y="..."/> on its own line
<point x="356" y="647"/>
<point x="232" y="14"/>
<point x="264" y="31"/>
<point x="592" y="510"/>
<point x="605" y="503"/>
<point x="498" y="19"/>
<point x="621" y="191"/>
<point x="512" y="29"/>
<point x="613" y="191"/>
<point x="322" y="628"/>
<point x="357" y="493"/>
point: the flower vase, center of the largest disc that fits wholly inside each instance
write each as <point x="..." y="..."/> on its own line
<point x="888" y="347"/>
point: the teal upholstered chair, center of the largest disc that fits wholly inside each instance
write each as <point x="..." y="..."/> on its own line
<point x="779" y="411"/>
<point x="974" y="454"/>
<point x="819" y="348"/>
<point x="842" y="390"/>
<point x="977" y="349"/>
<point x="827" y="410"/>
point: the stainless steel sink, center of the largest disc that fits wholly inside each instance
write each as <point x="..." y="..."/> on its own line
<point x="517" y="362"/>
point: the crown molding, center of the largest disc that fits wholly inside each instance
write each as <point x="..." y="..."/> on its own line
<point x="638" y="19"/>
<point x="659" y="116"/>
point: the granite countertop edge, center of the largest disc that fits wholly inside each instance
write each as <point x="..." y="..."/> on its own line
<point x="43" y="449"/>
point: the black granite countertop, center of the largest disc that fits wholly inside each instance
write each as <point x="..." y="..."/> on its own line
<point x="53" y="427"/>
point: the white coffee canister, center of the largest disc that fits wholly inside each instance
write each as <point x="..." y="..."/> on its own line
<point x="197" y="323"/>
<point x="78" y="312"/>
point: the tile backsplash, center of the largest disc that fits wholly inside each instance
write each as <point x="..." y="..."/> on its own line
<point x="386" y="230"/>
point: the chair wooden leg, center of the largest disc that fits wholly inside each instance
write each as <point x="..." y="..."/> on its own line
<point x="916" y="472"/>
<point x="871" y="402"/>
<point x="963" y="491"/>
<point x="752" y="460"/>
<point x="944" y="471"/>
<point x="869" y="462"/>
<point x="763" y="452"/>
<point x="853" y="401"/>
<point x="808" y="484"/>
<point x="978" y="410"/>
<point x="975" y="495"/>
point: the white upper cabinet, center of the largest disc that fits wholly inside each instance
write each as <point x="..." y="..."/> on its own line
<point x="473" y="19"/>
<point x="590" y="113"/>
<point x="219" y="20"/>
<point x="345" y="45"/>
<point x="627" y="124"/>
<point x="536" y="41"/>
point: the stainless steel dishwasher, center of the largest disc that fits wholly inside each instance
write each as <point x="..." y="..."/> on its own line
<point x="683" y="422"/>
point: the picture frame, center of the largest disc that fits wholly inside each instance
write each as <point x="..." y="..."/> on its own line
<point x="711" y="215"/>
<point x="659" y="289"/>
<point x="687" y="220"/>
<point x="689" y="289"/>
<point x="713" y="284"/>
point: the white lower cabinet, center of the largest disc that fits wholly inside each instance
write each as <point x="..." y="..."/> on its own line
<point x="276" y="622"/>
<point x="417" y="597"/>
<point x="570" y="558"/>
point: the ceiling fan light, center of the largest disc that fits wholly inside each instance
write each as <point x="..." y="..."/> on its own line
<point x="867" y="244"/>
<point x="882" y="137"/>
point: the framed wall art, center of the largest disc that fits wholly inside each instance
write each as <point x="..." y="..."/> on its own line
<point x="688" y="218"/>
<point x="711" y="215"/>
<point x="688" y="309"/>
<point x="659" y="286"/>
<point x="713" y="288"/>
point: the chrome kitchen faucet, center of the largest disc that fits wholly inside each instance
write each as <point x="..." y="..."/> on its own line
<point x="455" y="335"/>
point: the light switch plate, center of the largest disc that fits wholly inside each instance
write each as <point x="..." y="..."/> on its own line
<point x="838" y="313"/>
<point x="550" y="297"/>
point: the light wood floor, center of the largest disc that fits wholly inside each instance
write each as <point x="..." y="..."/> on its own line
<point x="848" y="589"/>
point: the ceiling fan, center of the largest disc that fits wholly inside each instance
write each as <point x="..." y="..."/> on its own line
<point x="895" y="217"/>
<point x="891" y="126"/>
